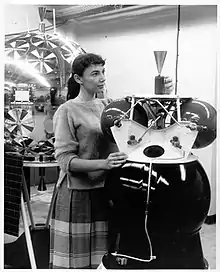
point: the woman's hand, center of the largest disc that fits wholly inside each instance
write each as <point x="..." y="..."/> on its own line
<point x="168" y="85"/>
<point x="115" y="160"/>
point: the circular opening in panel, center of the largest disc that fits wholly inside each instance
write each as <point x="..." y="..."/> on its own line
<point x="153" y="151"/>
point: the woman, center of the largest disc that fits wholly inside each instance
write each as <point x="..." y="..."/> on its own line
<point x="79" y="220"/>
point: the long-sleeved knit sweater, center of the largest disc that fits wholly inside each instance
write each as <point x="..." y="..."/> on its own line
<point x="78" y="134"/>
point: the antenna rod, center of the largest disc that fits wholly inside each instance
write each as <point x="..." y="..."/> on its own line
<point x="54" y="21"/>
<point x="177" y="45"/>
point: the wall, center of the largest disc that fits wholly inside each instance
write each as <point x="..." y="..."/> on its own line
<point x="128" y="46"/>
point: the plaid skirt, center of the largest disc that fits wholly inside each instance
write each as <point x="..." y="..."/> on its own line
<point x="79" y="228"/>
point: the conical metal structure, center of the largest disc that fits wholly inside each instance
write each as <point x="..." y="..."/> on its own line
<point x="160" y="58"/>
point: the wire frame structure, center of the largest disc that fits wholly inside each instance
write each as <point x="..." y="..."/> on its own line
<point x="50" y="55"/>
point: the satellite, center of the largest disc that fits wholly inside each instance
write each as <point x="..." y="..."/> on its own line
<point x="161" y="196"/>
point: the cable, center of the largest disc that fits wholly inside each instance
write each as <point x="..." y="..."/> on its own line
<point x="177" y="45"/>
<point x="152" y="257"/>
<point x="167" y="112"/>
<point x="146" y="210"/>
<point x="133" y="258"/>
<point x="152" y="124"/>
<point x="124" y="115"/>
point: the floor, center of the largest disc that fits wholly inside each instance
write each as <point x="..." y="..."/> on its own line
<point x="40" y="205"/>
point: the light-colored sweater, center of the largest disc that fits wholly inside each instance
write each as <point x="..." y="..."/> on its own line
<point x="78" y="134"/>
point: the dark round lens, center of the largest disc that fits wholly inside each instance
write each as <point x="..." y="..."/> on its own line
<point x="153" y="151"/>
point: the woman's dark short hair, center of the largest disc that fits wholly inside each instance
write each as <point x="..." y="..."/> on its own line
<point x="80" y="63"/>
<point x="83" y="61"/>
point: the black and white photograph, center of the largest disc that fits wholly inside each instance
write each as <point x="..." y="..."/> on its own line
<point x="110" y="136"/>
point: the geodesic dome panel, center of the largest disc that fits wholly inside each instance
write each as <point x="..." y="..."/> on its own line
<point x="49" y="55"/>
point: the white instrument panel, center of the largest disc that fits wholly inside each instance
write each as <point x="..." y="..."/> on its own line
<point x="143" y="138"/>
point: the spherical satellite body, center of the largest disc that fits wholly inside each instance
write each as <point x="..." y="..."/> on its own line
<point x="159" y="202"/>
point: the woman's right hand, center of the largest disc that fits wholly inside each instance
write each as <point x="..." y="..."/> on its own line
<point x="115" y="160"/>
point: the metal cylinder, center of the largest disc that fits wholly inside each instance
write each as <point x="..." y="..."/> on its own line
<point x="159" y="85"/>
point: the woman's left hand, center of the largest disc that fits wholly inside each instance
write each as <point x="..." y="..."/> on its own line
<point x="114" y="160"/>
<point x="169" y="87"/>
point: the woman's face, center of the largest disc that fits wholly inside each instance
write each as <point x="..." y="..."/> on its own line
<point x="93" y="79"/>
